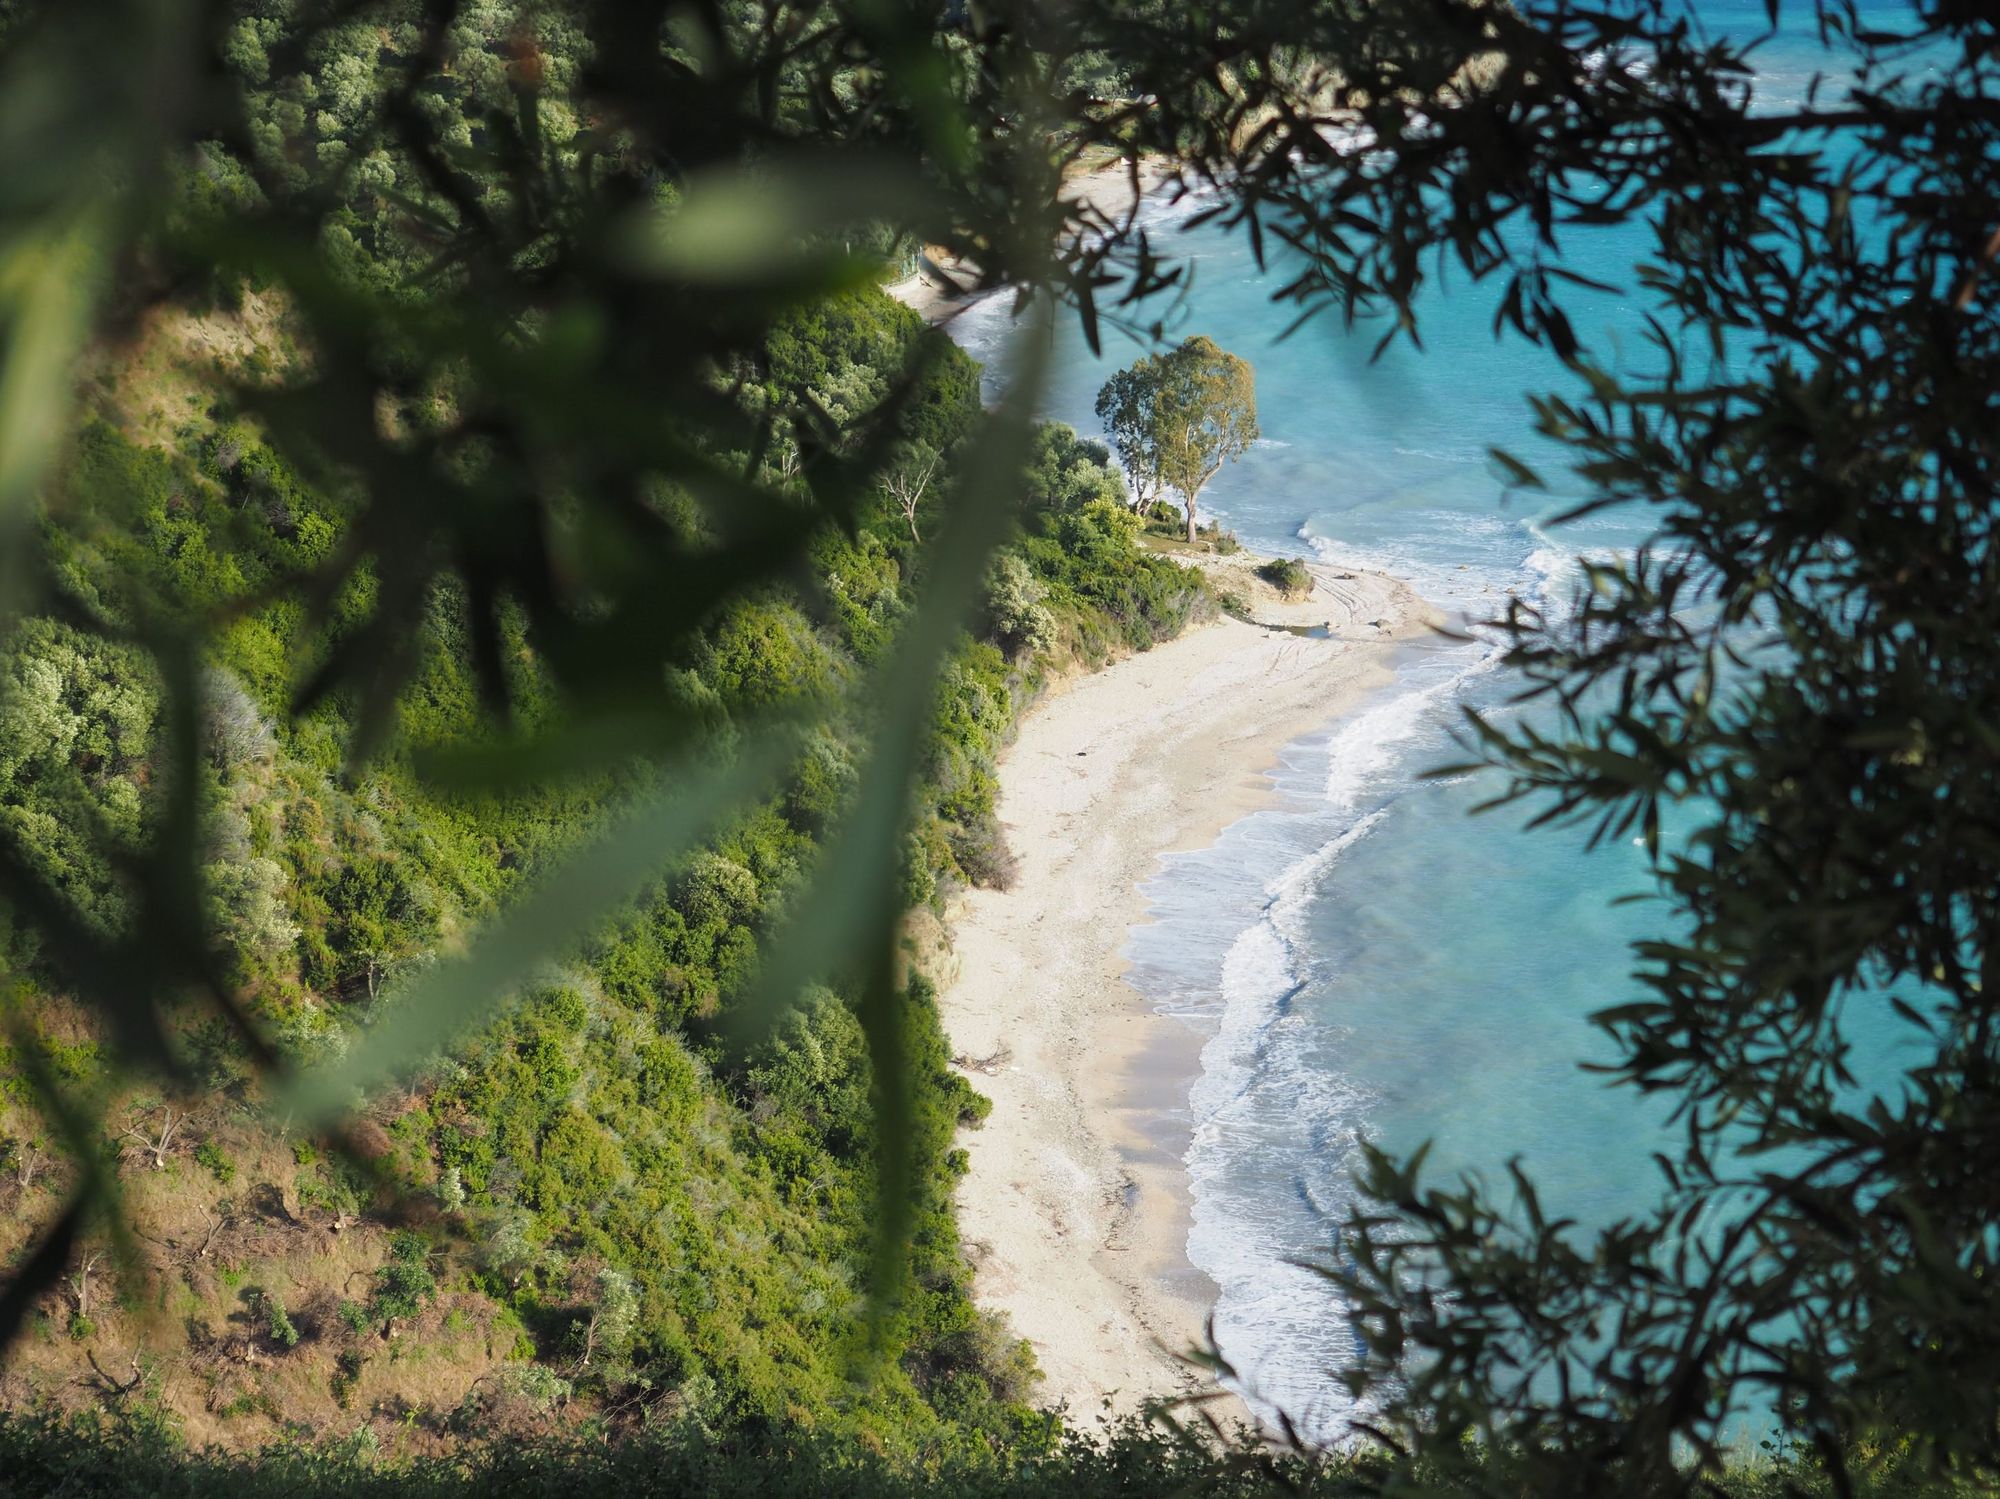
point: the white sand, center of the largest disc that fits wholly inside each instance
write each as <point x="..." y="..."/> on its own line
<point x="1075" y="1208"/>
<point x="941" y="288"/>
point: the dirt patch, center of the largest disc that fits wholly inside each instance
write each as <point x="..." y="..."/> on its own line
<point x="158" y="385"/>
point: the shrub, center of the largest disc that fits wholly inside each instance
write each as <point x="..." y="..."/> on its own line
<point x="233" y="730"/>
<point x="981" y="850"/>
<point x="717" y="891"/>
<point x="404" y="1285"/>
<point x="1017" y="607"/>
<point x="209" y="1154"/>
<point x="1288" y="575"/>
<point x="247" y="907"/>
<point x="764" y="653"/>
<point x="280" y="1325"/>
<point x="825" y="773"/>
<point x="540" y="1386"/>
<point x="606" y="1334"/>
<point x="1066" y="472"/>
<point x="1094" y="570"/>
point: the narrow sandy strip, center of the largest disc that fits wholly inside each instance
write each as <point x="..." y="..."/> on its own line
<point x="1076" y="1207"/>
<point x="939" y="289"/>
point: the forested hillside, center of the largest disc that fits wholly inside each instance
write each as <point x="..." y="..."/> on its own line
<point x="608" y="1207"/>
<point x="614" y="1206"/>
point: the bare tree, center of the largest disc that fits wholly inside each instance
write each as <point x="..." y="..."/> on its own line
<point x="213" y="1224"/>
<point x="909" y="482"/>
<point x="29" y="1162"/>
<point x="79" y="1281"/>
<point x="157" y="1138"/>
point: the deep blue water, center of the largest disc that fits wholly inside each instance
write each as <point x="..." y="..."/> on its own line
<point x="1368" y="958"/>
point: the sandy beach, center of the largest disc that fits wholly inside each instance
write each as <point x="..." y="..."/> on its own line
<point x="1075" y="1209"/>
<point x="941" y="288"/>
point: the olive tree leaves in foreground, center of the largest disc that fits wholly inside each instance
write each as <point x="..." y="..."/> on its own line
<point x="1800" y="661"/>
<point x="532" y="391"/>
<point x="1803" y="658"/>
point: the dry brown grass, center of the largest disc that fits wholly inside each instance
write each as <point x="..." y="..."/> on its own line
<point x="159" y="383"/>
<point x="184" y="1323"/>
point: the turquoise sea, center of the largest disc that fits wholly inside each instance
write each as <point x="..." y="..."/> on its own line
<point x="1367" y="958"/>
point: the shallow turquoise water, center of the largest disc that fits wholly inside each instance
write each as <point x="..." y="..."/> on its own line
<point x="1367" y="958"/>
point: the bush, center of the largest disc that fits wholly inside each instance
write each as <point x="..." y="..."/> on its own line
<point x="1288" y="575"/>
<point x="1090" y="560"/>
<point x="1017" y="606"/>
<point x="234" y="731"/>
<point x="211" y="1155"/>
<point x="283" y="1331"/>
<point x="717" y="891"/>
<point x="820" y="784"/>
<point x="981" y="851"/>
<point x="405" y="1285"/>
<point x="1066" y="472"/>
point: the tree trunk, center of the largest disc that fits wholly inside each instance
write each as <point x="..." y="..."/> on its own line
<point x="1190" y="518"/>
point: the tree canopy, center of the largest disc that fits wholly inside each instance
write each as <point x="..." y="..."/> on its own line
<point x="1177" y="417"/>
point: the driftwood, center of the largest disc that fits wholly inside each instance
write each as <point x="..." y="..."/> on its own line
<point x="989" y="1065"/>
<point x="157" y="1139"/>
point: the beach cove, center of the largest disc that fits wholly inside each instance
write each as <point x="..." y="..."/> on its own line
<point x="1075" y="1209"/>
<point x="1326" y="948"/>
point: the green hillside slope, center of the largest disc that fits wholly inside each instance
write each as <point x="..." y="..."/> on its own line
<point x="611" y="1208"/>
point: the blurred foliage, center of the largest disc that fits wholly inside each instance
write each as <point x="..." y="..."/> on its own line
<point x="1138" y="1461"/>
<point x="503" y="612"/>
<point x="550" y="510"/>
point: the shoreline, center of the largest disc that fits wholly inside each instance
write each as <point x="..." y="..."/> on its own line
<point x="1076" y="1207"/>
<point x="938" y="291"/>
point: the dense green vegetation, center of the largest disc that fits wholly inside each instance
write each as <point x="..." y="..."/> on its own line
<point x="250" y="713"/>
<point x="608" y="1180"/>
<point x="110" y="1458"/>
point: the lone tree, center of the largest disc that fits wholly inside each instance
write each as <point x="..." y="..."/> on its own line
<point x="1176" y="418"/>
